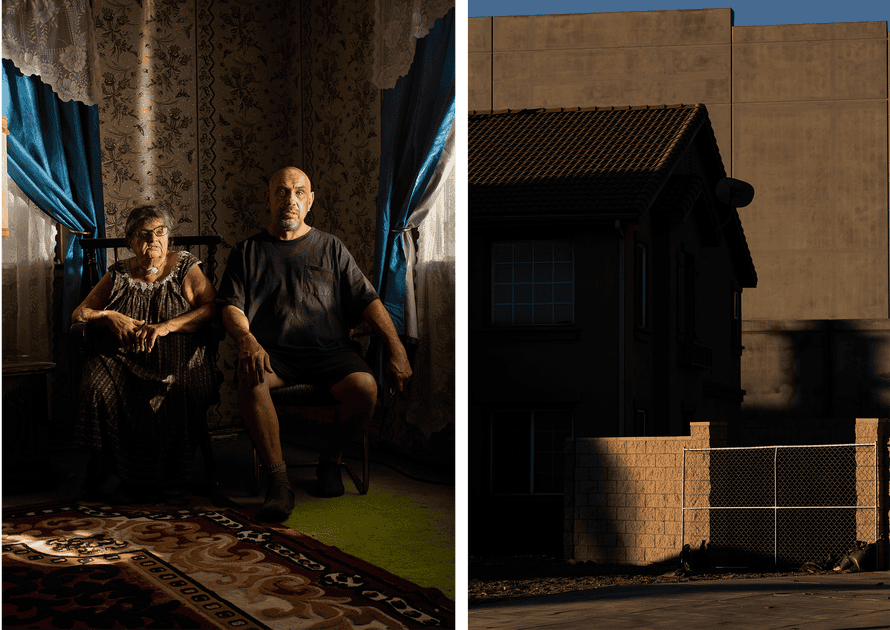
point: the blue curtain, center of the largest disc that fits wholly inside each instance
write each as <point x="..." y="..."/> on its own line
<point x="54" y="156"/>
<point x="417" y="116"/>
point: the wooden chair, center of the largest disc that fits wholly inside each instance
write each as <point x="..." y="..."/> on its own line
<point x="79" y="330"/>
<point x="90" y="245"/>
<point x="303" y="395"/>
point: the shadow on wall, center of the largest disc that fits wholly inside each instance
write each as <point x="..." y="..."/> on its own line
<point x="806" y="381"/>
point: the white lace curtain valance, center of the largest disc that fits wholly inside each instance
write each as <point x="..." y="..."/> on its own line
<point x="54" y="39"/>
<point x="400" y="23"/>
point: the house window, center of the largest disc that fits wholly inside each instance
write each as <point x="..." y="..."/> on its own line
<point x="641" y="286"/>
<point x="736" y="318"/>
<point x="532" y="282"/>
<point x="685" y="297"/>
<point x="528" y="451"/>
<point x="29" y="257"/>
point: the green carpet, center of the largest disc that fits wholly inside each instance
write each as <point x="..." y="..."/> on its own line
<point x="401" y="534"/>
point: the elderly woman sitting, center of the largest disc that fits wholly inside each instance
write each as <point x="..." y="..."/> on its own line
<point x="148" y="385"/>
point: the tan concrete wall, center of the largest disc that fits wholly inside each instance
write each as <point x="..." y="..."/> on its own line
<point x="479" y="63"/>
<point x="626" y="503"/>
<point x="586" y="60"/>
<point x="800" y="111"/>
<point x="809" y="126"/>
<point x="805" y="380"/>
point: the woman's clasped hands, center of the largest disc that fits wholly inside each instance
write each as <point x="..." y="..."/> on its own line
<point x="135" y="335"/>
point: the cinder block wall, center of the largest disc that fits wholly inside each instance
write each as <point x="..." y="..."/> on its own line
<point x="625" y="495"/>
<point x="877" y="431"/>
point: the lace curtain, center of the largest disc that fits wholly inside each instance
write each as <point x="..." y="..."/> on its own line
<point x="54" y="39"/>
<point x="27" y="278"/>
<point x="430" y="300"/>
<point x="400" y="23"/>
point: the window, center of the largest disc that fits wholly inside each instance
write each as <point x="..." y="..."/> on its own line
<point x="532" y="282"/>
<point x="528" y="450"/>
<point x="685" y="297"/>
<point x="736" y="318"/>
<point x="641" y="286"/>
<point x="28" y="260"/>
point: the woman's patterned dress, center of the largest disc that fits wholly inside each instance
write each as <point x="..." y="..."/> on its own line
<point x="144" y="411"/>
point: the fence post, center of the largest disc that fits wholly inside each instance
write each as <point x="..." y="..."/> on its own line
<point x="877" y="432"/>
<point x="883" y="445"/>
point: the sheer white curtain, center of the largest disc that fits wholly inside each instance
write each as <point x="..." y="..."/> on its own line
<point x="27" y="279"/>
<point x="430" y="300"/>
<point x="54" y="39"/>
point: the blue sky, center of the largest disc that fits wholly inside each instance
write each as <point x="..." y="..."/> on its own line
<point x="747" y="12"/>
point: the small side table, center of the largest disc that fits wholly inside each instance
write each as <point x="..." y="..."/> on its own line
<point x="27" y="465"/>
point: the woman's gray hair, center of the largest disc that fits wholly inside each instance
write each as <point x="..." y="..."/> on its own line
<point x="142" y="214"/>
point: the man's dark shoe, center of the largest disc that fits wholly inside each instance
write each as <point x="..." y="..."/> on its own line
<point x="279" y="504"/>
<point x="330" y="484"/>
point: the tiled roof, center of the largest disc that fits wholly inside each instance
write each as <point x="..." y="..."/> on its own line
<point x="594" y="161"/>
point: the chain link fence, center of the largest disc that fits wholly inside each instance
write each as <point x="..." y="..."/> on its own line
<point x="779" y="506"/>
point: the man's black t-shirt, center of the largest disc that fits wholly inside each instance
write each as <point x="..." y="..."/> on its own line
<point x="301" y="297"/>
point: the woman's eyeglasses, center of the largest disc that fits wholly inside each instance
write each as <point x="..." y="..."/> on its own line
<point x="146" y="234"/>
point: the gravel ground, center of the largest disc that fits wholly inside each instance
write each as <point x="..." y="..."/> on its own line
<point x="496" y="579"/>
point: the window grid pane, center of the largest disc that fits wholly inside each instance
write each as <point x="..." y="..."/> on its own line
<point x="532" y="282"/>
<point x="527" y="451"/>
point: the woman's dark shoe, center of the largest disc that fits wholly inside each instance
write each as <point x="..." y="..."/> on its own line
<point x="278" y="505"/>
<point x="330" y="483"/>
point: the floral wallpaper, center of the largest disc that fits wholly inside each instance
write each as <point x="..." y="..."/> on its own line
<point x="146" y="114"/>
<point x="202" y="100"/>
<point x="342" y="122"/>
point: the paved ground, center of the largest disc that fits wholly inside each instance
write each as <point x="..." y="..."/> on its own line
<point x="807" y="602"/>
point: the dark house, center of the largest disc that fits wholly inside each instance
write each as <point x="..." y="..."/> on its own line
<point x="606" y="280"/>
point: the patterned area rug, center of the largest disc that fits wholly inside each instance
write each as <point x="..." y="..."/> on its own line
<point x="192" y="566"/>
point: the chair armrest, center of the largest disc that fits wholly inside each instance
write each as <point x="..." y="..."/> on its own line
<point x="79" y="335"/>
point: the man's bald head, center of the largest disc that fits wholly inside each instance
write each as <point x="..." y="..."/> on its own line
<point x="286" y="172"/>
<point x="289" y="199"/>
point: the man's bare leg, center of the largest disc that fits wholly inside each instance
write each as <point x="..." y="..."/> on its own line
<point x="258" y="413"/>
<point x="357" y="394"/>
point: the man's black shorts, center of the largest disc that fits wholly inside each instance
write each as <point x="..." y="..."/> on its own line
<point x="322" y="368"/>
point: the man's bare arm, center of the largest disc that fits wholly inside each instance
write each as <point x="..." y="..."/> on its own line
<point x="253" y="360"/>
<point x="381" y="323"/>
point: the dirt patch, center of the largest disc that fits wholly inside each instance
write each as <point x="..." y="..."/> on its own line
<point x="495" y="579"/>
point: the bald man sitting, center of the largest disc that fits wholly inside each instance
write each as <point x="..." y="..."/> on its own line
<point x="289" y="296"/>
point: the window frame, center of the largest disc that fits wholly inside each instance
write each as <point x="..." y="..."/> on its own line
<point x="495" y="282"/>
<point x="686" y="307"/>
<point x="531" y="411"/>
<point x="736" y="318"/>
